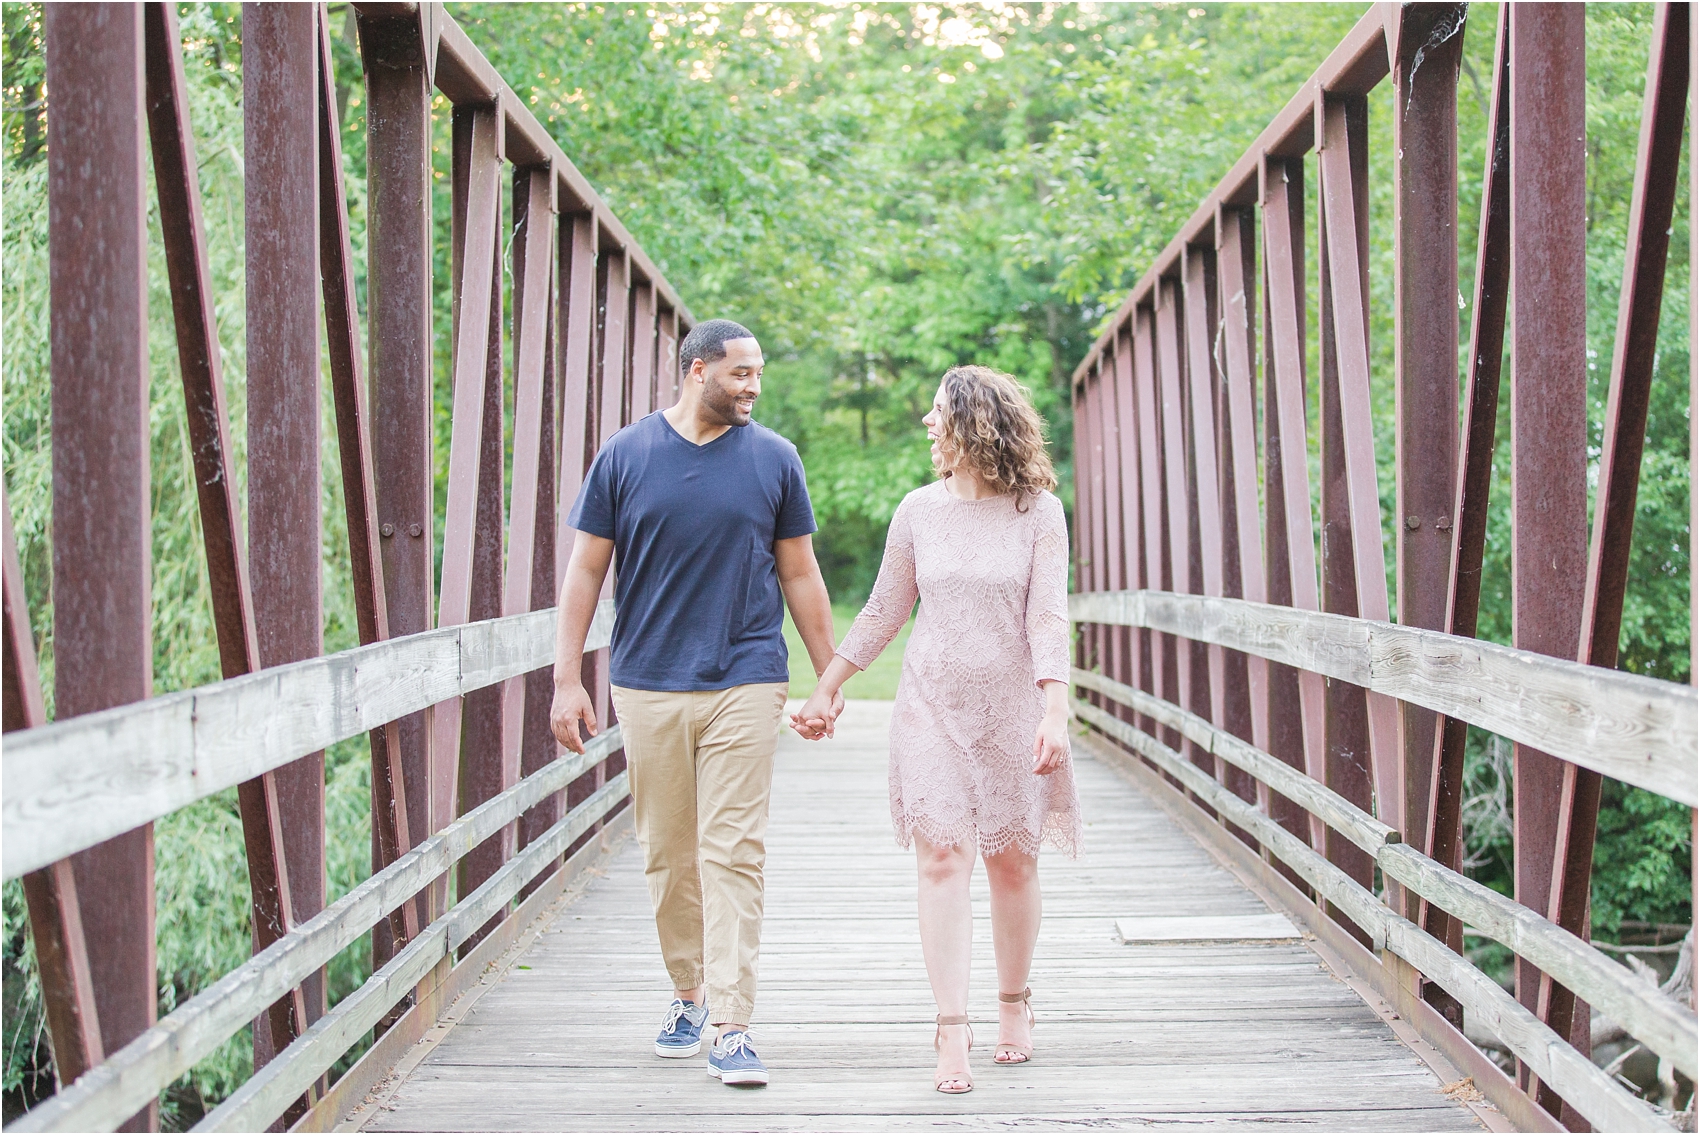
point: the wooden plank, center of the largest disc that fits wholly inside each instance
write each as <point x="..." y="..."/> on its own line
<point x="1441" y="1045"/>
<point x="1597" y="1097"/>
<point x="1636" y="729"/>
<point x="1665" y="1026"/>
<point x="1148" y="929"/>
<point x="1134" y="1033"/>
<point x="72" y="784"/>
<point x="264" y="1096"/>
<point x="445" y="1000"/>
<point x="138" y="1071"/>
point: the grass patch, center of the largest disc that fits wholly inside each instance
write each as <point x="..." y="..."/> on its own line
<point x="877" y="682"/>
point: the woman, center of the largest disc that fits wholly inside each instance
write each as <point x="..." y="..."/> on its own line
<point x="979" y="732"/>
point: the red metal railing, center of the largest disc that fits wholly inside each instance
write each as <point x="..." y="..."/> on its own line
<point x="1169" y="449"/>
<point x="594" y="328"/>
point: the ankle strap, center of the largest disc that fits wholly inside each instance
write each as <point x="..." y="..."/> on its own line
<point x="1016" y="998"/>
<point x="944" y="1020"/>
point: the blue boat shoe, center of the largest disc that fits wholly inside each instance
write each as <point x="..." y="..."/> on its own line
<point x="681" y="1031"/>
<point x="733" y="1058"/>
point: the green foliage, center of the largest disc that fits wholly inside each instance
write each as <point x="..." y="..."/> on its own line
<point x="878" y="682"/>
<point x="201" y="891"/>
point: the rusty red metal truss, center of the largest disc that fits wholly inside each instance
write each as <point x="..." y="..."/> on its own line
<point x="1166" y="452"/>
<point x="595" y="331"/>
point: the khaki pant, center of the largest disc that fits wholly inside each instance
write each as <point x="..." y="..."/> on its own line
<point x="701" y="769"/>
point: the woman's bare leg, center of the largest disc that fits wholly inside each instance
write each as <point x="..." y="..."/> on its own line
<point x="947" y="941"/>
<point x="1016" y="906"/>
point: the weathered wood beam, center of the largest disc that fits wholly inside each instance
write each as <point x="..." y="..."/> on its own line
<point x="1637" y="729"/>
<point x="74" y="783"/>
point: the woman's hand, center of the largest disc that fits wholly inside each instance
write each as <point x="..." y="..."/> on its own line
<point x="1050" y="741"/>
<point x="815" y="720"/>
<point x="819" y="714"/>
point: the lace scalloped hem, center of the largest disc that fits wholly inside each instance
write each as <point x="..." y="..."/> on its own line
<point x="1059" y="831"/>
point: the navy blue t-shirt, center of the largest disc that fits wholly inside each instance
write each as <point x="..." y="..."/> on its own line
<point x="696" y="589"/>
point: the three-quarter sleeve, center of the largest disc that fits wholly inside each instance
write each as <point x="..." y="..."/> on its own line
<point x="1047" y="592"/>
<point x="893" y="598"/>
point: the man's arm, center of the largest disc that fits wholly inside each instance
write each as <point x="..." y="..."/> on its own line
<point x="579" y="593"/>
<point x="805" y="594"/>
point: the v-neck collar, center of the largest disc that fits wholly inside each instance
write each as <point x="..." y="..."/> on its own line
<point x="694" y="447"/>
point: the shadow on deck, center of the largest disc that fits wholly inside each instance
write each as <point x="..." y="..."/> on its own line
<point x="1128" y="1035"/>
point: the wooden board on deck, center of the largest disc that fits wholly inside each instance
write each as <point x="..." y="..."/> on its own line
<point x="1241" y="1033"/>
<point x="1147" y="930"/>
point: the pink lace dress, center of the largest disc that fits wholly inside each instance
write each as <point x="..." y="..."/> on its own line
<point x="993" y="585"/>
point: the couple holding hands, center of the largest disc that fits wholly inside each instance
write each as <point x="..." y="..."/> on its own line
<point x="708" y="515"/>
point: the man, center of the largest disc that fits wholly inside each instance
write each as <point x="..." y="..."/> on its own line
<point x="709" y="518"/>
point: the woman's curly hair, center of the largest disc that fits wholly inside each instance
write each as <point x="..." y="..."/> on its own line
<point x="990" y="425"/>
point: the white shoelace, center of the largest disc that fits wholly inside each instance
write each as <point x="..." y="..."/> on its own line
<point x="674" y="1012"/>
<point x="734" y="1044"/>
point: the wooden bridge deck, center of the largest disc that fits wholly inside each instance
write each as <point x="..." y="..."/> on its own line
<point x="1146" y="1036"/>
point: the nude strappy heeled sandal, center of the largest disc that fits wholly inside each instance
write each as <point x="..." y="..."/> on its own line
<point x="965" y="1081"/>
<point x="1016" y="1053"/>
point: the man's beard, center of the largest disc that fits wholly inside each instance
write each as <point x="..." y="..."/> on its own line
<point x="723" y="404"/>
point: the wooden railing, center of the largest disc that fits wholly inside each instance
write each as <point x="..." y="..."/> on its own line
<point x="1240" y="648"/>
<point x="1429" y="673"/>
<point x="121" y="768"/>
<point x="563" y="330"/>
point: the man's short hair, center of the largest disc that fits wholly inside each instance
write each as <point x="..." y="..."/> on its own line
<point x="707" y="341"/>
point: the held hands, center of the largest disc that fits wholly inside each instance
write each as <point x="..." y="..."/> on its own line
<point x="571" y="705"/>
<point x="815" y="721"/>
<point x="1050" y="742"/>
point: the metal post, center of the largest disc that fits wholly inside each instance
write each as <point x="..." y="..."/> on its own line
<point x="1096" y="555"/>
<point x="483" y="742"/>
<point x="1549" y="386"/>
<point x="390" y="833"/>
<point x="1425" y="353"/>
<point x="1623" y="436"/>
<point x="1177" y="653"/>
<point x="1445" y="836"/>
<point x="643" y="349"/>
<point x="533" y="243"/>
<point x="1245" y="679"/>
<point x="1198" y="267"/>
<point x="1152" y="652"/>
<point x="475" y="286"/>
<point x="1126" y="553"/>
<point x="1295" y="696"/>
<point x="102" y="614"/>
<point x="280" y="125"/>
<point x="1347" y="439"/>
<point x="397" y="62"/>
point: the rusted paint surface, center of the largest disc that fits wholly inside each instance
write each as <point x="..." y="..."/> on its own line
<point x="1549" y="417"/>
<point x="280" y="125"/>
<point x="1245" y="680"/>
<point x="1425" y="353"/>
<point x="1193" y="500"/>
<point x="391" y="837"/>
<point x="1295" y="697"/>
<point x="1133" y="665"/>
<point x="102" y="633"/>
<point x="399" y="239"/>
<point x="1623" y="437"/>
<point x="1343" y="285"/>
<point x="475" y="286"/>
<point x="1445" y="835"/>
